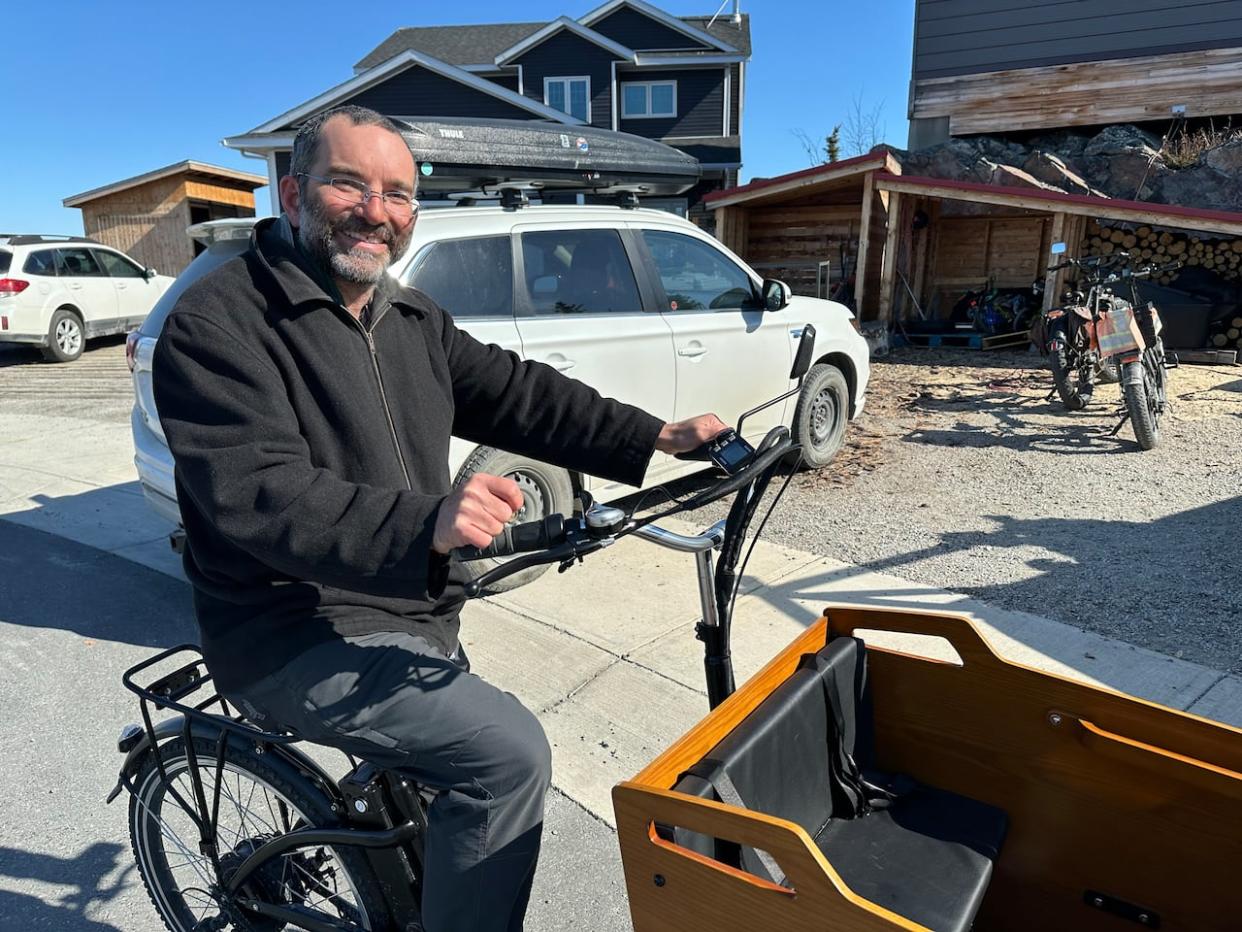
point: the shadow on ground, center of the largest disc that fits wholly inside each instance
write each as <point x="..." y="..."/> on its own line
<point x="84" y="875"/>
<point x="48" y="581"/>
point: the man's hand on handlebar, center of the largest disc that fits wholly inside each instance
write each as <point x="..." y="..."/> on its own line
<point x="474" y="514"/>
<point x="684" y="436"/>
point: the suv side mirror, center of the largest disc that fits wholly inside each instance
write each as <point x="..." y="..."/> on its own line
<point x="776" y="295"/>
<point x="149" y="273"/>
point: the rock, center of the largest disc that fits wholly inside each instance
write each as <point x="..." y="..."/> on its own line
<point x="1225" y="158"/>
<point x="1123" y="137"/>
<point x="1202" y="187"/>
<point x="1049" y="168"/>
<point x="1012" y="177"/>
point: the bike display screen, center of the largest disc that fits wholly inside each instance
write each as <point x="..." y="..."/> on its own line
<point x="730" y="452"/>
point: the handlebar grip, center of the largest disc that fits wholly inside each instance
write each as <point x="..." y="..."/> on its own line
<point x="518" y="538"/>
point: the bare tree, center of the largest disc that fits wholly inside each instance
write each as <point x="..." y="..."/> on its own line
<point x="810" y="146"/>
<point x="864" y="130"/>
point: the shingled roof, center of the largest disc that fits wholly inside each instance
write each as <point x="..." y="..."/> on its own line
<point x="477" y="45"/>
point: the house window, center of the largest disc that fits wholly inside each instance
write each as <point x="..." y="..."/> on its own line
<point x="569" y="95"/>
<point x="648" y="100"/>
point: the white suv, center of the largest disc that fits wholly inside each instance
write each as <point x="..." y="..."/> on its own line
<point x="56" y="292"/>
<point x="640" y="304"/>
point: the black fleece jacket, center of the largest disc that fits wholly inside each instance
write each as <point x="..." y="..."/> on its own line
<point x="312" y="453"/>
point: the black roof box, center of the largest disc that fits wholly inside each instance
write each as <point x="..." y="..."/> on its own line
<point x="457" y="155"/>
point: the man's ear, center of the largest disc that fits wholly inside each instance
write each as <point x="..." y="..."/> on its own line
<point x="291" y="199"/>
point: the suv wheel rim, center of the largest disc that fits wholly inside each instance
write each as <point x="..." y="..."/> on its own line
<point x="534" y="497"/>
<point x="823" y="416"/>
<point x="68" y="336"/>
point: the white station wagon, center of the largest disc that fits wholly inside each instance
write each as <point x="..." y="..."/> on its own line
<point x="640" y="304"/>
<point x="56" y="292"/>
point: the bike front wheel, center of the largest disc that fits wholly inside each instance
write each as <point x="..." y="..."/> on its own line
<point x="1142" y="384"/>
<point x="261" y="797"/>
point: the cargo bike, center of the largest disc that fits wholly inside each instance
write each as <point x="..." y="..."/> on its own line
<point x="846" y="786"/>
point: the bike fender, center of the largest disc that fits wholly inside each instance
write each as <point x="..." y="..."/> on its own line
<point x="1131" y="375"/>
<point x="174" y="727"/>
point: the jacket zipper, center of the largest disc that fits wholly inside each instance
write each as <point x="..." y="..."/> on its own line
<point x="379" y="378"/>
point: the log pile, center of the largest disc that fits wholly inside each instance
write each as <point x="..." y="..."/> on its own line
<point x="1227" y="334"/>
<point x="1149" y="245"/>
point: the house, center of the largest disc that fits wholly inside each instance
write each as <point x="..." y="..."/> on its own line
<point x="981" y="68"/>
<point x="146" y="216"/>
<point x="626" y="65"/>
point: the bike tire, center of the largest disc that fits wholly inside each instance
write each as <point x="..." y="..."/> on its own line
<point x="152" y="829"/>
<point x="1142" y="402"/>
<point x="1063" y="374"/>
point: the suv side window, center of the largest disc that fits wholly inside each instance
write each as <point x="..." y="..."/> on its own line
<point x="6" y="258"/>
<point x="117" y="266"/>
<point x="578" y="272"/>
<point x="78" y="263"/>
<point x="697" y="276"/>
<point x="41" y="262"/>
<point x="467" y="277"/>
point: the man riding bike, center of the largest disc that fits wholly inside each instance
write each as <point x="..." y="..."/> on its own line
<point x="308" y="400"/>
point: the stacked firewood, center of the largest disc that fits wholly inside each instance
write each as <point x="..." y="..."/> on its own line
<point x="1147" y="245"/>
<point x="1227" y="334"/>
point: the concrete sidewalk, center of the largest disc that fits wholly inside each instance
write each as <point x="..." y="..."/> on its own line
<point x="605" y="654"/>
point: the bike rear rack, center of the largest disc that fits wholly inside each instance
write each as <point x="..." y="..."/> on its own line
<point x="167" y="693"/>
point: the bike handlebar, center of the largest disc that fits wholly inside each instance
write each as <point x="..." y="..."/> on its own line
<point x="556" y="539"/>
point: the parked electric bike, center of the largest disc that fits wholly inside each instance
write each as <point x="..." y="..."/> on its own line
<point x="1098" y="335"/>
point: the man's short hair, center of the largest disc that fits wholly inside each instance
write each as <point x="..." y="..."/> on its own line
<point x="306" y="142"/>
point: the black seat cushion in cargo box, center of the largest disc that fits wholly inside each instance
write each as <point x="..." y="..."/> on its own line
<point x="926" y="855"/>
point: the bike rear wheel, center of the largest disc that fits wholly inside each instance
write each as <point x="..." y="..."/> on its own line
<point x="1141" y="386"/>
<point x="261" y="797"/>
<point x="1075" y="391"/>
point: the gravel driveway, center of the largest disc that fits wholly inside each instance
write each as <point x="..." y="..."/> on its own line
<point x="961" y="475"/>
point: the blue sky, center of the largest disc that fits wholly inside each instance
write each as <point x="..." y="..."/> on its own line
<point x="101" y="91"/>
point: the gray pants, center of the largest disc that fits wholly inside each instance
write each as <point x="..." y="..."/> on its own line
<point x="400" y="703"/>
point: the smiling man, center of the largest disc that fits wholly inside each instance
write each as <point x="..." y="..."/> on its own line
<point x="308" y="400"/>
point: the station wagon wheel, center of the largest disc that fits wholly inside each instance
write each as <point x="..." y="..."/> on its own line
<point x="546" y="490"/>
<point x="64" y="337"/>
<point x="821" y="415"/>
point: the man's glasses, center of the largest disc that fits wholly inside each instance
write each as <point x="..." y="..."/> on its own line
<point x="350" y="191"/>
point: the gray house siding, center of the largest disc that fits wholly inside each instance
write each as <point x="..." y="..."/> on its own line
<point x="956" y="37"/>
<point x="567" y="55"/>
<point x="419" y="92"/>
<point x="636" y="31"/>
<point x="700" y="103"/>
<point x="284" y="159"/>
<point x="507" y="81"/>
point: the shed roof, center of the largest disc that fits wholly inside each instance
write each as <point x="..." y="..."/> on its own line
<point x="227" y="177"/>
<point x="832" y="174"/>
<point x="1170" y="215"/>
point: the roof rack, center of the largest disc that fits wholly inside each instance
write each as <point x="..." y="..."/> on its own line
<point x="34" y="239"/>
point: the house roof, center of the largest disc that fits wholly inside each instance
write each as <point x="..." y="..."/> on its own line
<point x="226" y="177"/>
<point x="456" y="45"/>
<point x="477" y="45"/>
<point x="398" y="63"/>
<point x="560" y="24"/>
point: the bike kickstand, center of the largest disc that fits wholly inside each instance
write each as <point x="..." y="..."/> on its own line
<point x="1120" y="424"/>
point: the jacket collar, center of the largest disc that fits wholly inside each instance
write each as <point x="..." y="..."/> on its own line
<point x="273" y="243"/>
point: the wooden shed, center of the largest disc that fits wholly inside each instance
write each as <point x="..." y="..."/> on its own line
<point x="146" y="216"/>
<point x="921" y="243"/>
<point x="945" y="237"/>
<point x="812" y="228"/>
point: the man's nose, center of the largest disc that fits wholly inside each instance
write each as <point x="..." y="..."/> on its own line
<point x="373" y="209"/>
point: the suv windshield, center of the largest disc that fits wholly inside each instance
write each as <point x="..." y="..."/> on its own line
<point x="6" y="258"/>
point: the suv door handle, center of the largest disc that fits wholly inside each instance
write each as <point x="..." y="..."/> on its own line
<point x="692" y="352"/>
<point x="560" y="363"/>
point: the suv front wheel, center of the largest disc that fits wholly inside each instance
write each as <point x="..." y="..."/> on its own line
<point x="64" y="337"/>
<point x="546" y="490"/>
<point x="821" y="415"/>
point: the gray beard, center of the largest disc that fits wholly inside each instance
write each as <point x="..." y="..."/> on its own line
<point x="316" y="233"/>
